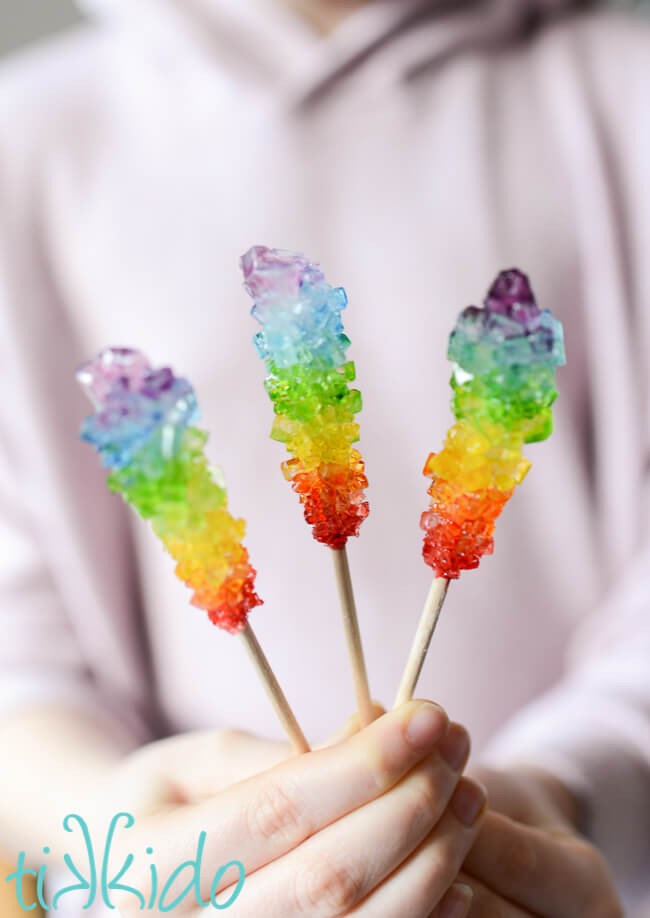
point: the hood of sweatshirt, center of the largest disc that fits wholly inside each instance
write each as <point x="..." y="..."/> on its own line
<point x="264" y="42"/>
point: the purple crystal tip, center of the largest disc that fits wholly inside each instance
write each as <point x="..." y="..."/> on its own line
<point x="276" y="273"/>
<point x="511" y="295"/>
<point x="133" y="403"/>
<point x="114" y="368"/>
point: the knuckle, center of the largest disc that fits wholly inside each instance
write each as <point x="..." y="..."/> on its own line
<point x="326" y="886"/>
<point x="276" y="812"/>
<point x="485" y="905"/>
<point x="421" y="804"/>
<point x="602" y="900"/>
<point x="518" y="858"/>
<point x="380" y="768"/>
<point x="593" y="859"/>
<point x="125" y="902"/>
<point x="125" y="906"/>
<point x="425" y="793"/>
<point x="607" y="909"/>
<point x="228" y="738"/>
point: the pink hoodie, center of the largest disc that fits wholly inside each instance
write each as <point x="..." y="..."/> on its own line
<point x="415" y="152"/>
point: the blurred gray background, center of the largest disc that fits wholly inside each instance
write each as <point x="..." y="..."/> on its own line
<point x="23" y="21"/>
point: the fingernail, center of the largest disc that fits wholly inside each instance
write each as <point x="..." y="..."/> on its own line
<point x="426" y="726"/>
<point x="454" y="748"/>
<point x="468" y="801"/>
<point x="456" y="902"/>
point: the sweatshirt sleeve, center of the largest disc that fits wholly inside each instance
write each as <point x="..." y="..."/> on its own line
<point x="592" y="730"/>
<point x="68" y="594"/>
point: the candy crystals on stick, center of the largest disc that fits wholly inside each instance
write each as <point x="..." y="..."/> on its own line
<point x="143" y="430"/>
<point x="504" y="385"/>
<point x="304" y="347"/>
<point x="504" y="358"/>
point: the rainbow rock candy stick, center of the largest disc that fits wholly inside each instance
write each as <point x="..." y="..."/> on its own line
<point x="304" y="347"/>
<point x="143" y="429"/>
<point x="504" y="358"/>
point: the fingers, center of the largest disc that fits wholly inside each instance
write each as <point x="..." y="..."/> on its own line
<point x="511" y="796"/>
<point x="261" y="819"/>
<point x="487" y="904"/>
<point x="558" y="876"/>
<point x="193" y="766"/>
<point x="428" y="873"/>
<point x="336" y="870"/>
<point x="455" y="903"/>
<point x="530" y="796"/>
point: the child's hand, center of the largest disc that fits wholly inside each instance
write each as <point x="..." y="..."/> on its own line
<point x="376" y="825"/>
<point x="202" y="763"/>
<point x="529" y="860"/>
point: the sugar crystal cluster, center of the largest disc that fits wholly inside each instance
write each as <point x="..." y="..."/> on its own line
<point x="304" y="346"/>
<point x="143" y="431"/>
<point x="504" y="357"/>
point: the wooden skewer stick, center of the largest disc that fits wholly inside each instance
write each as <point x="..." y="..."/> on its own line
<point x="353" y="636"/>
<point x="274" y="692"/>
<point x="423" y="635"/>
